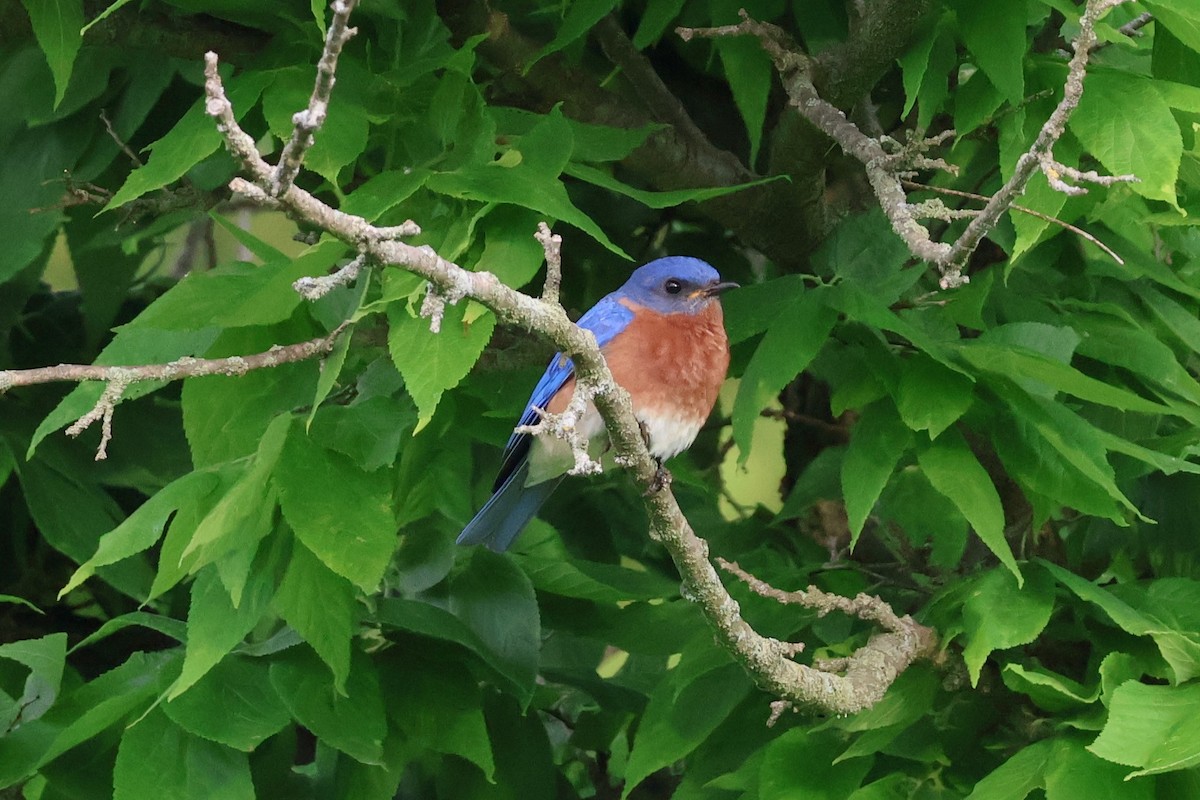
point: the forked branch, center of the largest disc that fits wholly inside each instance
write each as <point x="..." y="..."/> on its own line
<point x="887" y="171"/>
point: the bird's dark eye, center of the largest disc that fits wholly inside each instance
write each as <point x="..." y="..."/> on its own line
<point x="673" y="286"/>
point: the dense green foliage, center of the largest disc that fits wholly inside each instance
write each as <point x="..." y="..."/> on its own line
<point x="224" y="609"/>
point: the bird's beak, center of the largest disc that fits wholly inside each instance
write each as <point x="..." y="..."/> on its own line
<point x="717" y="288"/>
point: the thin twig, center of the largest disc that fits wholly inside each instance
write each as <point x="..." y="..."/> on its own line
<point x="1080" y="232"/>
<point x="1133" y="28"/>
<point x="1041" y="152"/>
<point x="552" y="247"/>
<point x="126" y="149"/>
<point x="885" y="171"/>
<point x="118" y="379"/>
<point x="316" y="288"/>
<point x="794" y="69"/>
<point x="308" y="121"/>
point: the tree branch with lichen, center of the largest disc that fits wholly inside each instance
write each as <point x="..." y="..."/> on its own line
<point x="768" y="660"/>
<point x="118" y="379"/>
<point x="886" y="170"/>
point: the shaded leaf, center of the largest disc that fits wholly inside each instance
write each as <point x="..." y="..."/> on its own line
<point x="352" y="722"/>
<point x="955" y="472"/>
<point x="347" y="524"/>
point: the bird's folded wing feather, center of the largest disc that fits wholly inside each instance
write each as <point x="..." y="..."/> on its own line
<point x="605" y="320"/>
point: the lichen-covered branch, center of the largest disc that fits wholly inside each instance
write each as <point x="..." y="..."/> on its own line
<point x="309" y="120"/>
<point x="552" y="247"/>
<point x="886" y="171"/>
<point x="119" y="378"/>
<point x="768" y="660"/>
<point x="1041" y="154"/>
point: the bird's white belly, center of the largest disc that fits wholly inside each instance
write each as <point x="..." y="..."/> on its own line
<point x="670" y="434"/>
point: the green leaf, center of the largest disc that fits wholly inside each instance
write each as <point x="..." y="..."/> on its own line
<point x="194" y="138"/>
<point x="802" y="764"/>
<point x="652" y="199"/>
<point x="370" y="431"/>
<point x="878" y="441"/>
<point x="1180" y="17"/>
<point x="159" y="759"/>
<point x="581" y="17"/>
<point x="432" y="363"/>
<point x="753" y="309"/>
<point x="590" y="580"/>
<point x="1018" y="776"/>
<point x="994" y="32"/>
<point x="1042" y="471"/>
<point x="216" y="625"/>
<point x="353" y="722"/>
<point x="1045" y="376"/>
<point x="1155" y="728"/>
<point x="45" y="658"/>
<point x="914" y="63"/>
<point x="1080" y="444"/>
<point x="383" y="192"/>
<point x="1180" y="321"/>
<point x="684" y="709"/>
<point x="749" y="73"/>
<point x="239" y="294"/>
<point x="1126" y="344"/>
<point x="654" y="21"/>
<point x="1073" y="772"/>
<point x="321" y="606"/>
<point x="340" y="513"/>
<point x="144" y="527"/>
<point x="496" y="601"/>
<point x="975" y="101"/>
<point x="1048" y="690"/>
<point x="519" y="185"/>
<point x="234" y="705"/>
<point x="241" y="518"/>
<point x="1180" y="647"/>
<point x="1141" y="139"/>
<point x="1027" y="603"/>
<point x="864" y="250"/>
<point x="57" y="24"/>
<point x="931" y="397"/>
<point x="955" y="472"/>
<point x="172" y="566"/>
<point x="104" y="14"/>
<point x="509" y="250"/>
<point x="794" y="338"/>
<point x="331" y="369"/>
<point x="1017" y="130"/>
<point x="225" y="417"/>
<point x="437" y="623"/>
<point x="84" y="713"/>
<point x="343" y="135"/>
<point x="167" y="626"/>
<point x="438" y="707"/>
<point x="71" y="511"/>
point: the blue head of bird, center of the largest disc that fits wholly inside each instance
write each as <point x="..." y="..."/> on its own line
<point x="675" y="285"/>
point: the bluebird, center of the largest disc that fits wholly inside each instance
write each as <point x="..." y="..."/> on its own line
<point x="663" y="336"/>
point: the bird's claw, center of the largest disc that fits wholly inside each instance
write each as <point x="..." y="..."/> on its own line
<point x="662" y="479"/>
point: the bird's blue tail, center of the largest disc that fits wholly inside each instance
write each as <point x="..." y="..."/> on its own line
<point x="508" y="511"/>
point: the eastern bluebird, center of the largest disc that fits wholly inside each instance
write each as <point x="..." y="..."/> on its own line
<point x="663" y="337"/>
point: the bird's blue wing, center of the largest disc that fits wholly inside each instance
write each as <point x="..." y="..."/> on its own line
<point x="513" y="503"/>
<point x="605" y="320"/>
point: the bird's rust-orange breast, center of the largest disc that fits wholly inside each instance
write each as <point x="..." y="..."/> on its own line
<point x="671" y="362"/>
